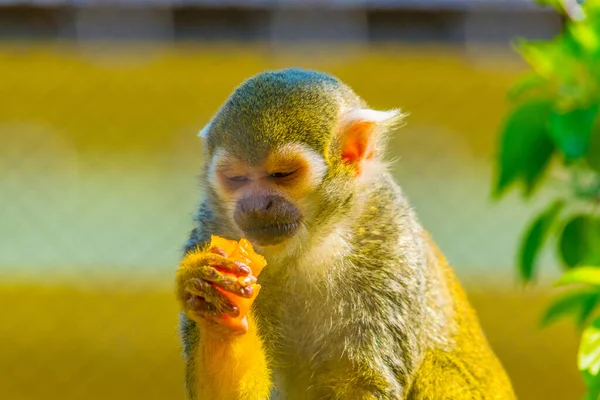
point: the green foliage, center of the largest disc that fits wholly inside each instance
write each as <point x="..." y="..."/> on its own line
<point x="556" y="117"/>
<point x="534" y="239"/>
<point x="526" y="147"/>
<point x="554" y="3"/>
<point x="582" y="275"/>
<point x="588" y="359"/>
<point x="592" y="157"/>
<point x="572" y="130"/>
<point x="580" y="241"/>
<point x="579" y="305"/>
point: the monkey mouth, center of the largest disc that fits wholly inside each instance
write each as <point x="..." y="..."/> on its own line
<point x="272" y="234"/>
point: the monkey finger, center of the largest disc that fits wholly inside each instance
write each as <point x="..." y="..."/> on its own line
<point x="198" y="287"/>
<point x="239" y="286"/>
<point x="206" y="309"/>
<point x="204" y="298"/>
<point x="230" y="266"/>
<point x="218" y="250"/>
<point x="230" y="283"/>
<point x="198" y="306"/>
<point x="214" y="257"/>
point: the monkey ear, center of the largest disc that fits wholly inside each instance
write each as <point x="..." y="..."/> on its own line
<point x="360" y="134"/>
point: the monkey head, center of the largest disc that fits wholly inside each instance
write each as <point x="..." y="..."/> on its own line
<point x="287" y="155"/>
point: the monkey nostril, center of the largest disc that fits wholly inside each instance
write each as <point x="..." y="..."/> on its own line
<point x="269" y="205"/>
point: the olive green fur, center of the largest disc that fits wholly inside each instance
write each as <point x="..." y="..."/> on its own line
<point x="383" y="317"/>
<point x="277" y="108"/>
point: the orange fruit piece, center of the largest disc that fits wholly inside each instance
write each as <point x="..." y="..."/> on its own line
<point x="228" y="246"/>
<point x="243" y="252"/>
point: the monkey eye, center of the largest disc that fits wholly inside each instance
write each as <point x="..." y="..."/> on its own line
<point x="276" y="175"/>
<point x="238" y="179"/>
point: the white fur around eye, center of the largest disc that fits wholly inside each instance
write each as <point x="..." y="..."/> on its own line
<point x="212" y="170"/>
<point x="318" y="166"/>
<point x="316" y="162"/>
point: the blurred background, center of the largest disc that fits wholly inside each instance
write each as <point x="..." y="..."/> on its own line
<point x="100" y="103"/>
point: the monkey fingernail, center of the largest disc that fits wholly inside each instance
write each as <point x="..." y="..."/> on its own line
<point x="243" y="269"/>
<point x="235" y="312"/>
<point x="247" y="291"/>
<point x="235" y="267"/>
<point x="246" y="281"/>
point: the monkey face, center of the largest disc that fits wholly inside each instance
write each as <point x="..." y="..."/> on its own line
<point x="288" y="153"/>
<point x="268" y="201"/>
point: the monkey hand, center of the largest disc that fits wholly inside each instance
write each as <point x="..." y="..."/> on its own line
<point x="216" y="286"/>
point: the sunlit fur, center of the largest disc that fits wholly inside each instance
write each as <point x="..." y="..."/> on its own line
<point x="359" y="304"/>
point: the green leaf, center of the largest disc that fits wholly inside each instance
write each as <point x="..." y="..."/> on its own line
<point x="588" y="358"/>
<point x="571" y="131"/>
<point x="553" y="3"/>
<point x="587" y="310"/>
<point x="564" y="63"/>
<point x="579" y="241"/>
<point x="591" y="9"/>
<point x="529" y="86"/>
<point x="525" y="147"/>
<point x="551" y="59"/>
<point x="593" y="154"/>
<point x="593" y="384"/>
<point x="584" y="39"/>
<point x="584" y="275"/>
<point x="544" y="57"/>
<point x="535" y="238"/>
<point x="577" y="304"/>
<point x="572" y="245"/>
<point x="588" y="396"/>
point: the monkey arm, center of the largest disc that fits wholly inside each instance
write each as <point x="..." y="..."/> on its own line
<point x="225" y="368"/>
<point x="220" y="366"/>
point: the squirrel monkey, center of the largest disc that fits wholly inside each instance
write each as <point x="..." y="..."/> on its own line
<point x="356" y="301"/>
